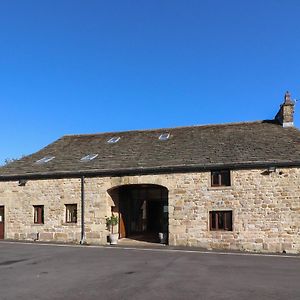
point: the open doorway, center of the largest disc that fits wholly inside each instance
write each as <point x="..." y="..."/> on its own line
<point x="143" y="212"/>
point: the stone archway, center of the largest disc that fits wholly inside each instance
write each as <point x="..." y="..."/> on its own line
<point x="142" y="211"/>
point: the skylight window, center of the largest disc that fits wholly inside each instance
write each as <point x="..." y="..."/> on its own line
<point x="88" y="157"/>
<point x="44" y="160"/>
<point x="113" y="140"/>
<point x="164" y="136"/>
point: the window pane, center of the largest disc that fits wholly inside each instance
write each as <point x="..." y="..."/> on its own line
<point x="38" y="214"/>
<point x="228" y="219"/>
<point x="212" y="220"/>
<point x="215" y="178"/>
<point x="220" y="220"/>
<point x="71" y="213"/>
<point x="225" y="178"/>
<point x="2" y="214"/>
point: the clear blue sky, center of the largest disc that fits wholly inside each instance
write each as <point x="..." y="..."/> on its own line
<point x="96" y="66"/>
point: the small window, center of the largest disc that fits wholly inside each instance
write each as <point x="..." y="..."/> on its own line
<point x="38" y="214"/>
<point x="88" y="157"/>
<point x="220" y="220"/>
<point x="164" y="136"/>
<point x="44" y="160"/>
<point x="220" y="178"/>
<point x="71" y="213"/>
<point x="113" y="140"/>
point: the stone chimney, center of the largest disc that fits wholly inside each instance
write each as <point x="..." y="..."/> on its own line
<point x="285" y="116"/>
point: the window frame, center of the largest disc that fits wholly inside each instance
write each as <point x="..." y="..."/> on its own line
<point x="223" y="181"/>
<point x="44" y="160"/>
<point x="38" y="214"/>
<point x="164" y="136"/>
<point x="113" y="140"/>
<point x="69" y="218"/>
<point x="214" y="217"/>
<point x="88" y="157"/>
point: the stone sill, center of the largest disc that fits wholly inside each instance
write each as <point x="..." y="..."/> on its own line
<point x="221" y="231"/>
<point x="220" y="188"/>
<point x="34" y="224"/>
<point x="70" y="224"/>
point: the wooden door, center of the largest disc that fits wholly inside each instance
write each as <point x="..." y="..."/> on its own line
<point x="122" y="230"/>
<point x="1" y="222"/>
<point x="123" y="215"/>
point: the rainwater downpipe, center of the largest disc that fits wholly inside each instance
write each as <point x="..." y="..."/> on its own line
<point x="82" y="240"/>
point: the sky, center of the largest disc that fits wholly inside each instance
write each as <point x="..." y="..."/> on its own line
<point x="71" y="67"/>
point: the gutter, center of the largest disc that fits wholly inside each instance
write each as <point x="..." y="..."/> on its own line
<point x="148" y="170"/>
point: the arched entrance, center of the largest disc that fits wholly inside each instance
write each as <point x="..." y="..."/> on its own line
<point x="142" y="210"/>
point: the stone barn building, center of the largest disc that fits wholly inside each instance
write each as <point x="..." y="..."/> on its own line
<point x="228" y="186"/>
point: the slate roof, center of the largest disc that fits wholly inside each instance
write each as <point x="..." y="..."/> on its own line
<point x="236" y="145"/>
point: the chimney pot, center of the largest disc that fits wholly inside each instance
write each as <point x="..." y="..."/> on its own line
<point x="287" y="99"/>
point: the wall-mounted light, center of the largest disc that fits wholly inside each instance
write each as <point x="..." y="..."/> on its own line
<point x="22" y="182"/>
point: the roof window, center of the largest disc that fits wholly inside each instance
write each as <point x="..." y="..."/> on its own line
<point x="88" y="157"/>
<point x="113" y="140"/>
<point x="44" y="160"/>
<point x="164" y="136"/>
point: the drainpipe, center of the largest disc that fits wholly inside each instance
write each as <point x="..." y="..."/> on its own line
<point x="82" y="240"/>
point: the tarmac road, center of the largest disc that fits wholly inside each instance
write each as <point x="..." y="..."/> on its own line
<point x="35" y="271"/>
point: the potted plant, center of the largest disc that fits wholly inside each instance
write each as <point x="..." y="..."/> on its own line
<point x="162" y="237"/>
<point x="110" y="223"/>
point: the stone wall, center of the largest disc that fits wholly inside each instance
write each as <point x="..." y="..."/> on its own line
<point x="54" y="195"/>
<point x="266" y="211"/>
<point x="265" y="207"/>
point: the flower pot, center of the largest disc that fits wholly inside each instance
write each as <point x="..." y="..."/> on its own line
<point x="162" y="237"/>
<point x="113" y="238"/>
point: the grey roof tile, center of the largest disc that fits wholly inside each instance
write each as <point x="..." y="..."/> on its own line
<point x="210" y="146"/>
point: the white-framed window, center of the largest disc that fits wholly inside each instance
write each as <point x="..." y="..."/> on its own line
<point x="113" y="140"/>
<point x="44" y="160"/>
<point x="88" y="157"/>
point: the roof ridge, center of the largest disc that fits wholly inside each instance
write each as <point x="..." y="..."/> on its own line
<point x="171" y="128"/>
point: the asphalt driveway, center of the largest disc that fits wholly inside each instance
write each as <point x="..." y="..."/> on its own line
<point x="32" y="271"/>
